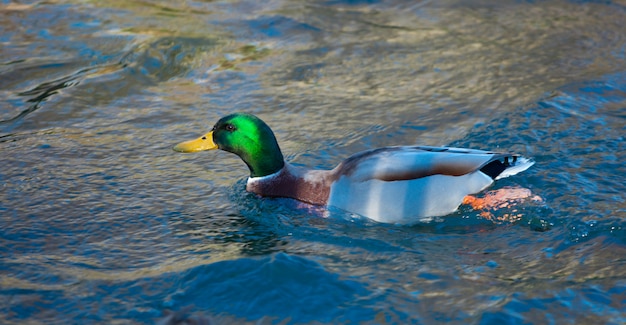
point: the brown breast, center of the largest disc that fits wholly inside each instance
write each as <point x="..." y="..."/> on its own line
<point x="310" y="186"/>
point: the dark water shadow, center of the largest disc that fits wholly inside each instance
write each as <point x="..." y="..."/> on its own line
<point x="278" y="286"/>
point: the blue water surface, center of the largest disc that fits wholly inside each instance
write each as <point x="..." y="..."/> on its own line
<point x="102" y="223"/>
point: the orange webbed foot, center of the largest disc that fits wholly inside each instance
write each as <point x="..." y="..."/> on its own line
<point x="506" y="197"/>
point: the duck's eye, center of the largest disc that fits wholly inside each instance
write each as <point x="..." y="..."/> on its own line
<point x="230" y="127"/>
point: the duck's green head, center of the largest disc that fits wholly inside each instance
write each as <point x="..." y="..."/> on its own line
<point x="245" y="135"/>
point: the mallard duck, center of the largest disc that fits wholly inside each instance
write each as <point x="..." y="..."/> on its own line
<point x="402" y="185"/>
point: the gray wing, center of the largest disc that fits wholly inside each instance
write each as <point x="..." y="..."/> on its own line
<point x="411" y="162"/>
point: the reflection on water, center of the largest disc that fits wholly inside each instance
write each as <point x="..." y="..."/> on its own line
<point x="102" y="223"/>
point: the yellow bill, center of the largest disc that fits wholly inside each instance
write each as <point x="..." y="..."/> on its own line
<point x="202" y="143"/>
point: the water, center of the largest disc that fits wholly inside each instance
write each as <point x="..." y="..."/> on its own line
<point x="101" y="223"/>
